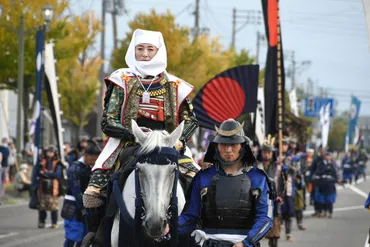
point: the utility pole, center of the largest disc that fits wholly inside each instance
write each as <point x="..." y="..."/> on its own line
<point x="260" y="38"/>
<point x="197" y="16"/>
<point x="233" y="29"/>
<point x="20" y="89"/>
<point x="251" y="16"/>
<point x="101" y="75"/>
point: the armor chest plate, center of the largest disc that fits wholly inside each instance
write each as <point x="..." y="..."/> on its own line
<point x="228" y="203"/>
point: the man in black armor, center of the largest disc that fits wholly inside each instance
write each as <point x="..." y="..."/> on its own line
<point x="232" y="197"/>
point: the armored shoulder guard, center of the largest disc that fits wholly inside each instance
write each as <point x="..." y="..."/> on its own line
<point x="270" y="184"/>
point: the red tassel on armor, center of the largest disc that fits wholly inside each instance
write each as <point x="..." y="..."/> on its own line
<point x="160" y="111"/>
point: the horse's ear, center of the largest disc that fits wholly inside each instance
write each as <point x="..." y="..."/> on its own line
<point x="175" y="135"/>
<point x="138" y="133"/>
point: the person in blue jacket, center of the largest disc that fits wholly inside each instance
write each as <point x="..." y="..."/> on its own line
<point x="79" y="173"/>
<point x="233" y="197"/>
<point x="347" y="168"/>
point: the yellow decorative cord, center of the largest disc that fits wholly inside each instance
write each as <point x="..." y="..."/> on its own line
<point x="152" y="93"/>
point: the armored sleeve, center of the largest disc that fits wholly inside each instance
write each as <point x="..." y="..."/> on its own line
<point x="264" y="211"/>
<point x="188" y="219"/>
<point x="191" y="123"/>
<point x="74" y="175"/>
<point x="111" y="121"/>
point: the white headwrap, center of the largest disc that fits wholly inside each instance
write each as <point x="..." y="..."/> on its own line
<point x="158" y="63"/>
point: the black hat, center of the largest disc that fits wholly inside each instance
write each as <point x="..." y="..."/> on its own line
<point x="230" y="132"/>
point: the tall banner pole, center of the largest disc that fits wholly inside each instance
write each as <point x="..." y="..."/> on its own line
<point x="280" y="87"/>
<point x="274" y="88"/>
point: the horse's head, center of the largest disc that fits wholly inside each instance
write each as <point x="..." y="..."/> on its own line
<point x="156" y="180"/>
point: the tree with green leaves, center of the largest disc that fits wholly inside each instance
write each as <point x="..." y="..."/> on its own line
<point x="77" y="65"/>
<point x="338" y="131"/>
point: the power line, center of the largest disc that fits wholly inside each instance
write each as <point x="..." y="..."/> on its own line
<point x="217" y="24"/>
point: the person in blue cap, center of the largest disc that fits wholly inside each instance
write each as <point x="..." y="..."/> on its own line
<point x="232" y="197"/>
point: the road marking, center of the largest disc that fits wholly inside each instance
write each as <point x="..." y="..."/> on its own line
<point x="306" y="213"/>
<point x="10" y="234"/>
<point x="358" y="191"/>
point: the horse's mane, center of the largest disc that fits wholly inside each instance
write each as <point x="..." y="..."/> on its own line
<point x="155" y="139"/>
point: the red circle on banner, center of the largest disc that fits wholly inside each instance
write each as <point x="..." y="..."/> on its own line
<point x="223" y="98"/>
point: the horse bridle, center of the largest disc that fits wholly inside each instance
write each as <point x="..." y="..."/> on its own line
<point x="162" y="156"/>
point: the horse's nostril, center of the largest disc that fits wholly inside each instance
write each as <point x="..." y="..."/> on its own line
<point x="164" y="223"/>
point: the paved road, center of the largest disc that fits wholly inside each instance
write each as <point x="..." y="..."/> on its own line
<point x="348" y="228"/>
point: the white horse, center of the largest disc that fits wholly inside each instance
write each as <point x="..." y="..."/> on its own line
<point x="156" y="182"/>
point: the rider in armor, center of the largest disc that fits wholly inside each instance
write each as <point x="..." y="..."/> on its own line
<point x="146" y="93"/>
<point x="232" y="197"/>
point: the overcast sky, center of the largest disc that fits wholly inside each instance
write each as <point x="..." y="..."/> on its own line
<point x="331" y="34"/>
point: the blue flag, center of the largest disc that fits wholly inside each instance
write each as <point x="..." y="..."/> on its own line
<point x="40" y="34"/>
<point x="353" y="114"/>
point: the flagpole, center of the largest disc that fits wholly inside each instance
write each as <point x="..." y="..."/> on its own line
<point x="280" y="87"/>
<point x="346" y="140"/>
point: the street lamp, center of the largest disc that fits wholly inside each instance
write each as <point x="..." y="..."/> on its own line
<point x="47" y="13"/>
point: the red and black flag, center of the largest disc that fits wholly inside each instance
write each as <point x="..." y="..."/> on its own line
<point x="229" y="94"/>
<point x="274" y="70"/>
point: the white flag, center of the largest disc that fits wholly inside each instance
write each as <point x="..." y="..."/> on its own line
<point x="52" y="80"/>
<point x="325" y="124"/>
<point x="293" y="102"/>
<point x="260" y="116"/>
<point x="356" y="138"/>
<point x="4" y="132"/>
